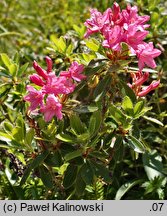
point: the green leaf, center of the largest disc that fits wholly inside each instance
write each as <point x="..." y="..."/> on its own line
<point x="87" y="173"/>
<point x="101" y="170"/>
<point x="153" y="164"/>
<point x="125" y="188"/>
<point x="13" y="69"/>
<point x="154" y="17"/>
<point x="8" y="127"/>
<point x="18" y="135"/>
<point x="70" y="176"/>
<point x="46" y="177"/>
<point x="88" y="57"/>
<point x="127" y="105"/>
<point x="137" y="145"/>
<point x="29" y="136"/>
<point x="4" y="89"/>
<point x="22" y="69"/>
<point x="118" y="149"/>
<point x="101" y="88"/>
<point x="138" y="107"/>
<point x="76" y="124"/>
<point x="92" y="44"/>
<point x="21" y="124"/>
<point x="95" y="123"/>
<point x="156" y="121"/>
<point x="73" y="155"/>
<point x="66" y="138"/>
<point x="83" y="138"/>
<point x="59" y="43"/>
<point x="79" y="185"/>
<point x="117" y="114"/>
<point x="62" y="44"/>
<point x="5" y="137"/>
<point x="54" y="159"/>
<point x="34" y="163"/>
<point x="6" y="60"/>
<point x="80" y="30"/>
<point x="69" y="49"/>
<point x="127" y="91"/>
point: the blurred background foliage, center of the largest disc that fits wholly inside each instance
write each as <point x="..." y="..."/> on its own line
<point x="29" y="30"/>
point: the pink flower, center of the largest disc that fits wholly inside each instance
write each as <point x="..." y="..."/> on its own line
<point x="130" y="16"/>
<point x="134" y="37"/>
<point x="35" y="78"/>
<point x="146" y="54"/>
<point x="52" y="108"/>
<point x="149" y="88"/>
<point x="58" y="85"/>
<point x="34" y="97"/>
<point x="97" y="21"/>
<point x="94" y="24"/>
<point x="116" y="14"/>
<point x="74" y="72"/>
<point x="112" y="38"/>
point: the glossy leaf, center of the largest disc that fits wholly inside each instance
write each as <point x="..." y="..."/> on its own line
<point x="66" y="138"/>
<point x="5" y="137"/>
<point x="4" y="89"/>
<point x="54" y="159"/>
<point x="73" y="155"/>
<point x="46" y="177"/>
<point x="70" y="176"/>
<point x="8" y="127"/>
<point x="117" y="114"/>
<point x="127" y="91"/>
<point x="79" y="185"/>
<point x="87" y="173"/>
<point x="34" y="163"/>
<point x="76" y="124"/>
<point x="29" y="136"/>
<point x="101" y="171"/>
<point x="6" y="60"/>
<point x="125" y="188"/>
<point x="137" y="145"/>
<point x="22" y="69"/>
<point x="154" y="120"/>
<point x="92" y="44"/>
<point x="95" y="123"/>
<point x="153" y="164"/>
<point x="127" y="105"/>
<point x="138" y="107"/>
<point x="13" y="69"/>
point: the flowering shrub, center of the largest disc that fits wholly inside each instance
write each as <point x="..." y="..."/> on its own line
<point x="76" y="127"/>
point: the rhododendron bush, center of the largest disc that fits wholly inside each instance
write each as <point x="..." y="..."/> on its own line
<point x="73" y="125"/>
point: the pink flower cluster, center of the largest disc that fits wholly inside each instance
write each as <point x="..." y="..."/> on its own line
<point x="52" y="89"/>
<point x="124" y="26"/>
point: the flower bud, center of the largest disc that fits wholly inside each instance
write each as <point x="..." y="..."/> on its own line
<point x="35" y="78"/>
<point x="41" y="72"/>
<point x="49" y="64"/>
